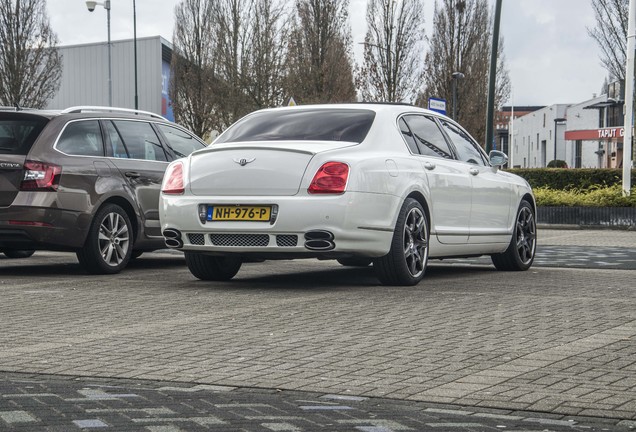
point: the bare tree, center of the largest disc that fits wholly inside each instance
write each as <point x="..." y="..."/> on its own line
<point x="393" y="48"/>
<point x="193" y="83"/>
<point x="250" y="53"/>
<point x="461" y="43"/>
<point x="319" y="62"/>
<point x="264" y="79"/>
<point x="610" y="33"/>
<point x="232" y="27"/>
<point x="30" y="65"/>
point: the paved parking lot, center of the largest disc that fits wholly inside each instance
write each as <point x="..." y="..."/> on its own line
<point x="552" y="340"/>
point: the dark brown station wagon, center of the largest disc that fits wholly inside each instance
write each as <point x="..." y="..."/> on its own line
<point x="85" y="180"/>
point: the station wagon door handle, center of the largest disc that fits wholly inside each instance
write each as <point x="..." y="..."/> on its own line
<point x="473" y="171"/>
<point x="429" y="166"/>
<point x="132" y="174"/>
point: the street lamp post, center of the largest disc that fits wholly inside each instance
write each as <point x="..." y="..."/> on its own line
<point x="91" y="7"/>
<point x="557" y="121"/>
<point x="456" y="77"/>
<point x="492" y="75"/>
<point x="135" y="51"/>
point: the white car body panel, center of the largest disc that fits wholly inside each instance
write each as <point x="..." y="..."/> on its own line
<point x="470" y="213"/>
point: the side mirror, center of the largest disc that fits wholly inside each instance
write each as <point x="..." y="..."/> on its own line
<point x="497" y="159"/>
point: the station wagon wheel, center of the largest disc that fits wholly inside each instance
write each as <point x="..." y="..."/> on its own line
<point x="212" y="268"/>
<point x="521" y="251"/>
<point x="108" y="246"/>
<point x="406" y="261"/>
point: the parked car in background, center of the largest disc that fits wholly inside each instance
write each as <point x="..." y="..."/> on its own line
<point x="86" y="180"/>
<point x="392" y="185"/>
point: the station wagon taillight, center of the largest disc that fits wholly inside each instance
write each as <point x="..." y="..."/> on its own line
<point x="173" y="184"/>
<point x="331" y="178"/>
<point x="40" y="176"/>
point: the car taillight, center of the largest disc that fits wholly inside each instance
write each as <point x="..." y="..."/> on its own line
<point x="331" y="178"/>
<point x="173" y="184"/>
<point x="40" y="176"/>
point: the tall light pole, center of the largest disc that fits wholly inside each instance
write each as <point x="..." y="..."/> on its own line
<point x="135" y="51"/>
<point x="511" y="129"/>
<point x="492" y="75"/>
<point x="456" y="77"/>
<point x="91" y="7"/>
<point x="629" y="101"/>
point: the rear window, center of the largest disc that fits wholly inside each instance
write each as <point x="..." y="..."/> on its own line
<point x="350" y="125"/>
<point x="18" y="133"/>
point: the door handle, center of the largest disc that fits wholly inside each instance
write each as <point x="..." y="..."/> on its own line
<point x="132" y="174"/>
<point x="473" y="171"/>
<point x="429" y="166"/>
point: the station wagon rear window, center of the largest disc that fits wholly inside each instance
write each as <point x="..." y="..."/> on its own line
<point x="351" y="125"/>
<point x="18" y="132"/>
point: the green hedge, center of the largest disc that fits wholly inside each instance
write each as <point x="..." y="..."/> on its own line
<point x="572" y="179"/>
<point x="611" y="196"/>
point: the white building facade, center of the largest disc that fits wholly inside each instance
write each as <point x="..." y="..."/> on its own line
<point x="584" y="135"/>
<point x="533" y="137"/>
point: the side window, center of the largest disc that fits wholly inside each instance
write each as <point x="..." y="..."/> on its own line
<point x="408" y="136"/>
<point x="181" y="143"/>
<point x="428" y="137"/>
<point x="114" y="141"/>
<point x="140" y="140"/>
<point x="82" y="138"/>
<point x="467" y="149"/>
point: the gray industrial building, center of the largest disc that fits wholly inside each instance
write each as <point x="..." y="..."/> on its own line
<point x="85" y="75"/>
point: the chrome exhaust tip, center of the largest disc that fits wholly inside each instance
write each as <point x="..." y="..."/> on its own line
<point x="319" y="240"/>
<point x="319" y="245"/>
<point x="172" y="238"/>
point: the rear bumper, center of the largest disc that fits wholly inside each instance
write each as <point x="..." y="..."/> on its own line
<point x="23" y="227"/>
<point x="361" y="224"/>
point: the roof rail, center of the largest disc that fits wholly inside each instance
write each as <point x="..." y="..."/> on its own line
<point x="14" y="108"/>
<point x="80" y="109"/>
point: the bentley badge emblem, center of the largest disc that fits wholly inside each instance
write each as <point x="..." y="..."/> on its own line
<point x="243" y="162"/>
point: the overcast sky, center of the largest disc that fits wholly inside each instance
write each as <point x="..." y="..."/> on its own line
<point x="549" y="54"/>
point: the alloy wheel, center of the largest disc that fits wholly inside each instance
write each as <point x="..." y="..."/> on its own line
<point x="526" y="235"/>
<point x="113" y="239"/>
<point x="415" y="242"/>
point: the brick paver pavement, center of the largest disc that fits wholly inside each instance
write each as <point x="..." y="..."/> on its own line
<point x="47" y="403"/>
<point x="548" y="340"/>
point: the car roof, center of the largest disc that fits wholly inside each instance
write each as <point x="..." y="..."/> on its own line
<point x="378" y="107"/>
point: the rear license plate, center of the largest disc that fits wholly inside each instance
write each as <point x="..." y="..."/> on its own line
<point x="239" y="213"/>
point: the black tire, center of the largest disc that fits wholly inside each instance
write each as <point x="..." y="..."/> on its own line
<point x="212" y="268"/>
<point x="405" y="264"/>
<point x="109" y="243"/>
<point x="355" y="262"/>
<point x="521" y="251"/>
<point x="15" y="254"/>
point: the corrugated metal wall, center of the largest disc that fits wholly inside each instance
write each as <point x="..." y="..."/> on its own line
<point x="85" y="75"/>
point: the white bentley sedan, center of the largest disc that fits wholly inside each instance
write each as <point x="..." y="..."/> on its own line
<point x="383" y="184"/>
